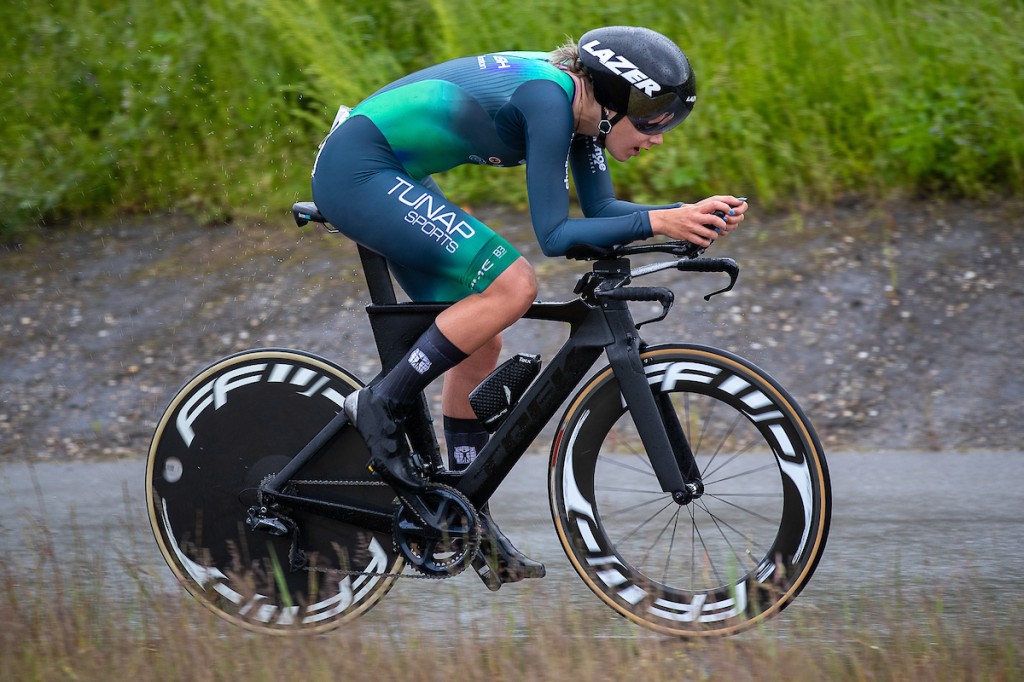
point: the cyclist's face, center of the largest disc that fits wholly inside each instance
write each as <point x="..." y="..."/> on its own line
<point x="625" y="141"/>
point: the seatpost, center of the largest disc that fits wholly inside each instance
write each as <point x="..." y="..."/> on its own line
<point x="382" y="291"/>
<point x="378" y="277"/>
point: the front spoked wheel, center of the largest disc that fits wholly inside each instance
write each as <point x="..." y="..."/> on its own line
<point x="732" y="558"/>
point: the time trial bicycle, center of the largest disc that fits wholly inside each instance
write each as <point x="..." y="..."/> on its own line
<point x="687" y="487"/>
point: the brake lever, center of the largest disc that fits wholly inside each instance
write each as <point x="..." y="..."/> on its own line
<point x="726" y="265"/>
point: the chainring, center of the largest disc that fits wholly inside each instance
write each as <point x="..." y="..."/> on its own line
<point x="437" y="532"/>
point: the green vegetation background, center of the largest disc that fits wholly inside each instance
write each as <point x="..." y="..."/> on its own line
<point x="216" y="107"/>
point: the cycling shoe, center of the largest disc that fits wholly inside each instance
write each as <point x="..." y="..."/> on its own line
<point x="390" y="457"/>
<point x="497" y="561"/>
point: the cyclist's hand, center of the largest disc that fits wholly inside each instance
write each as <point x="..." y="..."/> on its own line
<point x="691" y="222"/>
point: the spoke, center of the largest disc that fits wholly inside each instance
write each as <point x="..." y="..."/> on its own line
<point x="714" y="519"/>
<point x="775" y="496"/>
<point x="619" y="512"/>
<point x="686" y="417"/>
<point x="672" y="522"/>
<point x="685" y="423"/>
<point x="671" y="547"/>
<point x="739" y="453"/>
<point x="742" y="509"/>
<point x="643" y="523"/>
<point x="725" y="439"/>
<point x="707" y="553"/>
<point x="719" y="522"/>
<point x="706" y="421"/>
<point x="641" y="491"/>
<point x="704" y="427"/>
<point x="625" y="465"/>
<point x="693" y="549"/>
<point x="740" y="474"/>
<point x="642" y="456"/>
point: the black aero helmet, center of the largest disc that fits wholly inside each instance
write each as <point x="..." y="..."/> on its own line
<point x="641" y="74"/>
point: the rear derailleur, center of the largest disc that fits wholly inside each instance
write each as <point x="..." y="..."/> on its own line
<point x="260" y="517"/>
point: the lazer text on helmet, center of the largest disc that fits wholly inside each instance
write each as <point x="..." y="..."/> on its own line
<point x="623" y="67"/>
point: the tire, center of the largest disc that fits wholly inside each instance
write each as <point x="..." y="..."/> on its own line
<point x="724" y="562"/>
<point x="234" y="424"/>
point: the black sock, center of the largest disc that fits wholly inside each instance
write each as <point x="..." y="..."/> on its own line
<point x="465" y="439"/>
<point x="431" y="356"/>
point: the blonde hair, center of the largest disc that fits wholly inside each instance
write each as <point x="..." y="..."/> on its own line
<point x="567" y="57"/>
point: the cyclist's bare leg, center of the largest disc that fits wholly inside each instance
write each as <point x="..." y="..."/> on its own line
<point x="474" y="324"/>
<point x="478" y="318"/>
<point x="459" y="332"/>
<point x="468" y="331"/>
<point x="467" y="375"/>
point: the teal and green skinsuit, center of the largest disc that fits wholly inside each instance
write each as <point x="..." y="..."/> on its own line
<point x="372" y="178"/>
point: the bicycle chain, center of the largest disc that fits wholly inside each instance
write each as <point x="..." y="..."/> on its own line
<point x="378" y="484"/>
<point x="327" y="482"/>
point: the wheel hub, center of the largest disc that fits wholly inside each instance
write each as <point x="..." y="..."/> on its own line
<point x="690" y="492"/>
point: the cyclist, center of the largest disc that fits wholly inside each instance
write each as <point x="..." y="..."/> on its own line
<point x="617" y="92"/>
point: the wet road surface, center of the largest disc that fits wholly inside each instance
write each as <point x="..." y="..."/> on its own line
<point x="902" y="521"/>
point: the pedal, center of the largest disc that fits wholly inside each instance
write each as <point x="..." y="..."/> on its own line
<point x="493" y="399"/>
<point x="491" y="578"/>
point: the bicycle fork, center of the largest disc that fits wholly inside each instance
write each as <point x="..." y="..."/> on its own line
<point x="657" y="423"/>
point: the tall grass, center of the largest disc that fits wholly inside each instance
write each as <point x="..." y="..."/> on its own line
<point x="66" y="617"/>
<point x="143" y="106"/>
<point x="217" y="107"/>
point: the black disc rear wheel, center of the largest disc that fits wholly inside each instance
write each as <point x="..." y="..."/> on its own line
<point x="232" y="426"/>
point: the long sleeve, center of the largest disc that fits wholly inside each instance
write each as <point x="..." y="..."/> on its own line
<point x="547" y="122"/>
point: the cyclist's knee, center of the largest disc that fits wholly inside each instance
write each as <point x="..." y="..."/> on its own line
<point x="517" y="286"/>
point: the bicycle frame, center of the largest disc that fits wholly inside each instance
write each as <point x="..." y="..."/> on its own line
<point x="628" y="502"/>
<point x="596" y="328"/>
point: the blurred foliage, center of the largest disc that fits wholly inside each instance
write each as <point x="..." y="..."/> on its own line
<point x="216" y="108"/>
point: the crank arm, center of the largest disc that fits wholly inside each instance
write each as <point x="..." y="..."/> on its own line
<point x="428" y="522"/>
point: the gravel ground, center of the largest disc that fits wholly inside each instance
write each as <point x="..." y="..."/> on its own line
<point x="896" y="326"/>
